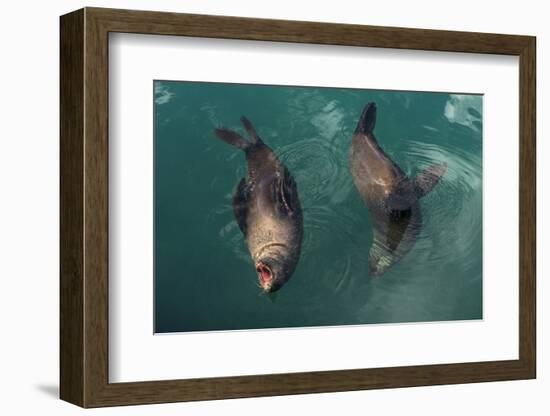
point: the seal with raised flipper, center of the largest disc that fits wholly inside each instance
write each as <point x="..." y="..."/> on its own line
<point x="391" y="197"/>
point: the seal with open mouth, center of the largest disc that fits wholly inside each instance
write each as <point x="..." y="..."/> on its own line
<point x="267" y="209"/>
<point x="391" y="197"/>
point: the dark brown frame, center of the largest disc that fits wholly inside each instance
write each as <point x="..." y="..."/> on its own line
<point x="84" y="210"/>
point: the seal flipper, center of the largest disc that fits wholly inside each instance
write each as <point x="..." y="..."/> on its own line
<point x="240" y="204"/>
<point x="251" y="130"/>
<point x="232" y="138"/>
<point x="367" y="121"/>
<point x="286" y="193"/>
<point x="426" y="180"/>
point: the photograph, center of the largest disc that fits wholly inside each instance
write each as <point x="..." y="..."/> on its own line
<point x="336" y="203"/>
<point x="279" y="206"/>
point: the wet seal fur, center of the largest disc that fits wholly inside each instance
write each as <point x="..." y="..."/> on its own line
<point x="391" y="197"/>
<point x="267" y="209"/>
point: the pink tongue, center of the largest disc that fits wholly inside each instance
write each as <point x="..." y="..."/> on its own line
<point x="264" y="274"/>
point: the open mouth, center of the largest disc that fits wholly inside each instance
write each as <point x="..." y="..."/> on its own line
<point x="265" y="275"/>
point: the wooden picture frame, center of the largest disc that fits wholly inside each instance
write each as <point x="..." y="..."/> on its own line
<point x="84" y="207"/>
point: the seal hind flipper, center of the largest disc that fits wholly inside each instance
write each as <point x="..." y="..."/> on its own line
<point x="240" y="204"/>
<point x="251" y="130"/>
<point x="367" y="121"/>
<point x="426" y="180"/>
<point x="233" y="138"/>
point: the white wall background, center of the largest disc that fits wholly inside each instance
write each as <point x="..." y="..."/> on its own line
<point x="29" y="206"/>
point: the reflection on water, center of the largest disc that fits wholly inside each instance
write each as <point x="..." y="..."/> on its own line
<point x="205" y="279"/>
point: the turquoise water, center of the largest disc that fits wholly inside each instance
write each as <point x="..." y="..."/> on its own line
<point x="204" y="276"/>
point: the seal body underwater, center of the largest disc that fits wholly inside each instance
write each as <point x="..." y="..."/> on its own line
<point x="391" y="197"/>
<point x="267" y="209"/>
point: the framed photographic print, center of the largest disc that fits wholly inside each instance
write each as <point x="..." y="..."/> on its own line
<point x="255" y="207"/>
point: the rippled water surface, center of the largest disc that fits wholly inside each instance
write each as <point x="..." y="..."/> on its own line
<point x="204" y="277"/>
